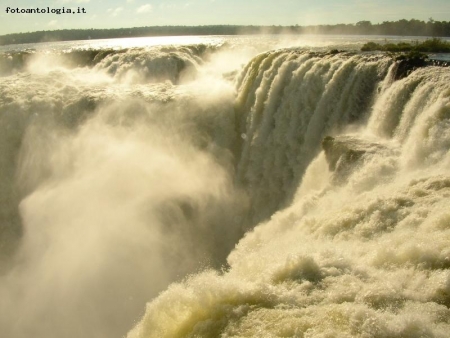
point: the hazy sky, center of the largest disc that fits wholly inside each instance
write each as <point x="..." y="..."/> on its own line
<point x="136" y="13"/>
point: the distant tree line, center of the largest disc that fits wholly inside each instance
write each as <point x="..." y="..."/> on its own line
<point x="403" y="27"/>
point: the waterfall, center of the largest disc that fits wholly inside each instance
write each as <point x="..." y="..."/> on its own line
<point x="173" y="192"/>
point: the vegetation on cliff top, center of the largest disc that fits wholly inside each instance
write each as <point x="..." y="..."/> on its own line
<point x="434" y="45"/>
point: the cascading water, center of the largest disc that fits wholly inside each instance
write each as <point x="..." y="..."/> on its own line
<point x="288" y="101"/>
<point x="367" y="258"/>
<point x="125" y="172"/>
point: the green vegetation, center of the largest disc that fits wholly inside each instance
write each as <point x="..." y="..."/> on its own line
<point x="400" y="28"/>
<point x="434" y="45"/>
<point x="414" y="57"/>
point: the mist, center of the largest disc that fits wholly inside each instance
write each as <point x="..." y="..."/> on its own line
<point x="121" y="189"/>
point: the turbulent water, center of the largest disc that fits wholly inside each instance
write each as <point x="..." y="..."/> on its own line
<point x="222" y="188"/>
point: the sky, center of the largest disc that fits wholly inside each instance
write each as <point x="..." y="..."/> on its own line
<point x="138" y="13"/>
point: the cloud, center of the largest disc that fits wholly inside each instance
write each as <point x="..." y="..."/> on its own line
<point x="130" y="1"/>
<point x="52" y="23"/>
<point x="144" y="9"/>
<point x="115" y="11"/>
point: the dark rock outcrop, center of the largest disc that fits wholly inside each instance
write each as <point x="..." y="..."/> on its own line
<point x="345" y="153"/>
<point x="410" y="62"/>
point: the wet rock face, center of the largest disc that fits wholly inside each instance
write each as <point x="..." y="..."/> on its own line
<point x="407" y="64"/>
<point x="338" y="150"/>
<point x="345" y="153"/>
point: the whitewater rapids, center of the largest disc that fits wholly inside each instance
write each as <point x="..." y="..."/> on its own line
<point x="190" y="180"/>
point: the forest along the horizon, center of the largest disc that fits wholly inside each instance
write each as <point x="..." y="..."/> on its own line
<point x="224" y="189"/>
<point x="413" y="27"/>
